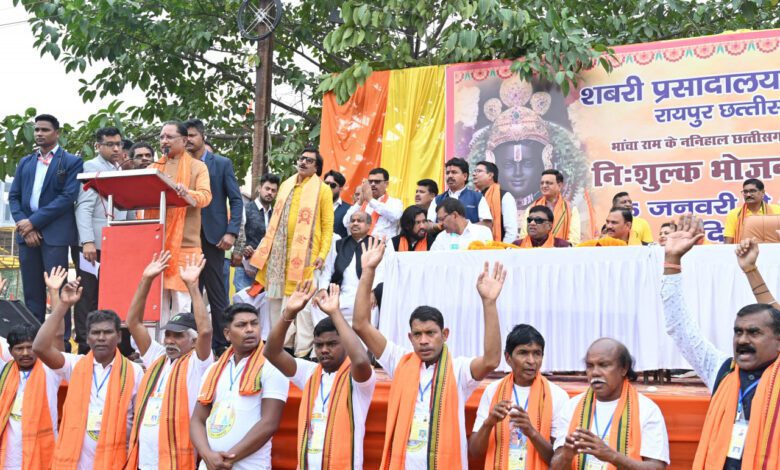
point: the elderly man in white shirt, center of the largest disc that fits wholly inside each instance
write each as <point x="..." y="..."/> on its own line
<point x="458" y="232"/>
<point x="385" y="211"/>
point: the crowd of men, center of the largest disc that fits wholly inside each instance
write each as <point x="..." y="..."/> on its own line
<point x="211" y="392"/>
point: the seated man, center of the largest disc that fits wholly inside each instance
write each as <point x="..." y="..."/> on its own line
<point x="459" y="231"/>
<point x="567" y="216"/>
<point x="531" y="402"/>
<point x="607" y="423"/>
<point x="414" y="236"/>
<point x="426" y="426"/>
<point x="641" y="234"/>
<point x="336" y="392"/>
<point x="539" y="227"/>
<point x="161" y="430"/>
<point x="618" y="225"/>
<point x="98" y="412"/>
<point x="238" y="413"/>
<point x="740" y="430"/>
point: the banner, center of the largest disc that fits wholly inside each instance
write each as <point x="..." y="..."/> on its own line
<point x="679" y="125"/>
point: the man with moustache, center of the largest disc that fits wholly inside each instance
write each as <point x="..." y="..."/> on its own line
<point x="142" y="155"/>
<point x="374" y="200"/>
<point x="618" y="225"/>
<point x="414" y="235"/>
<point x="257" y="217"/>
<point x="531" y="402"/>
<point x="336" y="393"/>
<point x="456" y="174"/>
<point x="98" y="412"/>
<point x="241" y="400"/>
<point x="169" y="389"/>
<point x="426" y="192"/>
<point x="743" y="412"/>
<point x="611" y="425"/>
<point x="567" y="217"/>
<point x="336" y="181"/>
<point x="539" y="225"/>
<point x="753" y="192"/>
<point x="502" y="205"/>
<point x="641" y="234"/>
<point x="458" y="231"/>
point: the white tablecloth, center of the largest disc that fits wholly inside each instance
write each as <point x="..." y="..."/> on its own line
<point x="573" y="296"/>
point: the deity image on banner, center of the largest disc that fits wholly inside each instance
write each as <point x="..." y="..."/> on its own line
<point x="522" y="127"/>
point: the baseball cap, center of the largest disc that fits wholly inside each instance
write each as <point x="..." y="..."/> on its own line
<point x="181" y="322"/>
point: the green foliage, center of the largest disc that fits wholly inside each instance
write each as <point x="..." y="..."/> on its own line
<point x="189" y="60"/>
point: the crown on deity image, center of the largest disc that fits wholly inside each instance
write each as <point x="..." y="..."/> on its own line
<point x="522" y="120"/>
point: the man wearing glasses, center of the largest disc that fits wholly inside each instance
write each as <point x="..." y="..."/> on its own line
<point x="753" y="192"/>
<point x="458" y="231"/>
<point x="90" y="220"/>
<point x="539" y="225"/>
<point x="336" y="181"/>
<point x="296" y="243"/>
<point x="385" y="211"/>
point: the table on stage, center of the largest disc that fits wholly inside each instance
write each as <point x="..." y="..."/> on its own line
<point x="574" y="296"/>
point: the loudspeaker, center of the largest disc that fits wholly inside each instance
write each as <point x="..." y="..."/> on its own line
<point x="12" y="313"/>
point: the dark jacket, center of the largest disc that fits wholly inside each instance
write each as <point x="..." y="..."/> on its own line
<point x="224" y="187"/>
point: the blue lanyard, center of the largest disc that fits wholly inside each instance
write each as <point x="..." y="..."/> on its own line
<point x="423" y="390"/>
<point x="105" y="377"/>
<point x="517" y="402"/>
<point x="740" y="408"/>
<point x="596" y="422"/>
<point x="326" y="397"/>
<point x="26" y="375"/>
<point x="161" y="380"/>
<point x="234" y="377"/>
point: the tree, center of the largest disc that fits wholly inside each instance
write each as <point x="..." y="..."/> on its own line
<point x="189" y="60"/>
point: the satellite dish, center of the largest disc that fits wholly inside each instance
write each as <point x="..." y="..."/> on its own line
<point x="257" y="19"/>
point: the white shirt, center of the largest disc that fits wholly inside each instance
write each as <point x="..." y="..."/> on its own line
<point x="40" y="175"/>
<point x="483" y="210"/>
<point x="361" y="401"/>
<point x="655" y="440"/>
<point x="13" y="455"/>
<point x="461" y="367"/>
<point x="148" y="432"/>
<point x="97" y="399"/>
<point x="509" y="217"/>
<point x="575" y="235"/>
<point x="389" y="214"/>
<point x="242" y="412"/>
<point x="453" y="241"/>
<point x="559" y="400"/>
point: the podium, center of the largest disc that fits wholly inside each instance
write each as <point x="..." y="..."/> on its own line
<point x="128" y="245"/>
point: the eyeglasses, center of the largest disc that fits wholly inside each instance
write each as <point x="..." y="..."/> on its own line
<point x="747" y="192"/>
<point x="375" y="182"/>
<point x="306" y="159"/>
<point x="442" y="219"/>
<point x="117" y="145"/>
<point x="536" y="220"/>
<point x="332" y="184"/>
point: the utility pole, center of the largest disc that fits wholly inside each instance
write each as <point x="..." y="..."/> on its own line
<point x="265" y="50"/>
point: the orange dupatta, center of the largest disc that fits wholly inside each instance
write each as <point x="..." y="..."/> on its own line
<point x="111" y="450"/>
<point x="444" y="437"/>
<point x="304" y="227"/>
<point x="539" y="411"/>
<point x="493" y="198"/>
<point x="549" y="243"/>
<point x="250" y="382"/>
<point x="765" y="209"/>
<point x="561" y="216"/>
<point x="375" y="214"/>
<point x="174" y="428"/>
<point x="37" y="431"/>
<point x="174" y="216"/>
<point x="762" y="444"/>
<point x="422" y="245"/>
<point x="339" y="447"/>
<point x="625" y="434"/>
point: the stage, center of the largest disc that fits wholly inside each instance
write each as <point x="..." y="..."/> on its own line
<point x="683" y="403"/>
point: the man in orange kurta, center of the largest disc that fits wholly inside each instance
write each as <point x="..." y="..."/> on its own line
<point x="182" y="224"/>
<point x="296" y="243"/>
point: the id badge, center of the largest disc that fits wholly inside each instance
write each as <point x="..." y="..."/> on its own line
<point x="317" y="433"/>
<point x="592" y="463"/>
<point x="418" y="436"/>
<point x="517" y="458"/>
<point x="94" y="418"/>
<point x="152" y="412"/>
<point x="16" y="408"/>
<point x="738" y="435"/>
<point x="221" y="420"/>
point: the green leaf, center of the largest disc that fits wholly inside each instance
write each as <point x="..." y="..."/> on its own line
<point x="9" y="138"/>
<point x="28" y="131"/>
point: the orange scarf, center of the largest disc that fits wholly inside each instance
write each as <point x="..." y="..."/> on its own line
<point x="765" y="209"/>
<point x="422" y="245"/>
<point x="762" y="444"/>
<point x="250" y="383"/>
<point x="37" y="432"/>
<point x="111" y="450"/>
<point x="174" y="216"/>
<point x="539" y="410"/>
<point x="625" y="434"/>
<point x="561" y="216"/>
<point x="339" y="447"/>
<point x="493" y="198"/>
<point x="304" y="227"/>
<point x="174" y="428"/>
<point x="549" y="243"/>
<point x="375" y="214"/>
<point x="444" y="436"/>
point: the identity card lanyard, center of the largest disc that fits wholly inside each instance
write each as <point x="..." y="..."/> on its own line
<point x="517" y="402"/>
<point x="105" y="377"/>
<point x="740" y="408"/>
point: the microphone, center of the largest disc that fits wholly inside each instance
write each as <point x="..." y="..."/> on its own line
<point x="165" y="151"/>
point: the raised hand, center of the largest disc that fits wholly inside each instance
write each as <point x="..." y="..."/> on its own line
<point x="373" y="253"/>
<point x="329" y="303"/>
<point x="71" y="292"/>
<point x="193" y="266"/>
<point x="747" y="253"/>
<point x="690" y="229"/>
<point x="489" y="286"/>
<point x="158" y="265"/>
<point x="303" y="293"/>
<point x="56" y="278"/>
